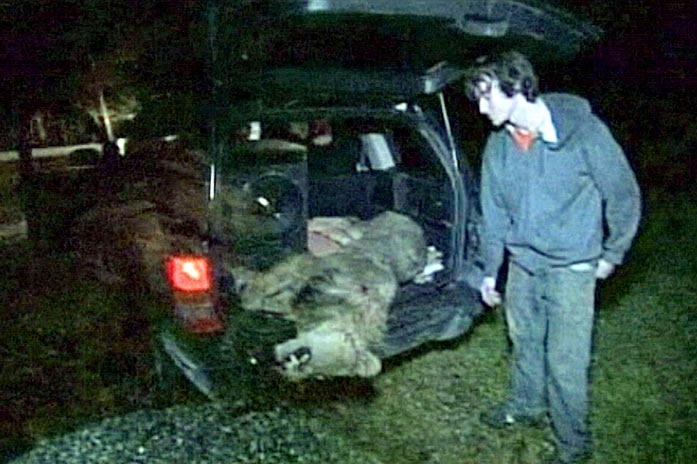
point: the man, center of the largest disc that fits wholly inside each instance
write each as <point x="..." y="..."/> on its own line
<point x="559" y="197"/>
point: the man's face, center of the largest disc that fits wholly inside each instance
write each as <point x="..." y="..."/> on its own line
<point x="493" y="102"/>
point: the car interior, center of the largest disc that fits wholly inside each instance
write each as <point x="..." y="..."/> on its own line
<point x="351" y="168"/>
<point x="369" y="168"/>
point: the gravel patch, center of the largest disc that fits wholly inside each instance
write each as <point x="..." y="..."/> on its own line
<point x="201" y="434"/>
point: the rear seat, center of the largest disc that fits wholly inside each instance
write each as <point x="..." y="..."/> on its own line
<point x="338" y="188"/>
<point x="360" y="194"/>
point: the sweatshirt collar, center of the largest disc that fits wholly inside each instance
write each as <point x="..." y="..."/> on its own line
<point x="547" y="132"/>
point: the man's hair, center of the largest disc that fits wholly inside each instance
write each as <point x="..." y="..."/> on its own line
<point x="511" y="69"/>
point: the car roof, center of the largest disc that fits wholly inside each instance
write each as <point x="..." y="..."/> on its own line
<point x="467" y="26"/>
<point x="381" y="49"/>
<point x="373" y="53"/>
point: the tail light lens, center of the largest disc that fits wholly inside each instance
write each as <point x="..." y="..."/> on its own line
<point x="191" y="280"/>
<point x="190" y="273"/>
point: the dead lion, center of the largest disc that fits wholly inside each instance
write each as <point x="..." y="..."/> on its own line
<point x="339" y="300"/>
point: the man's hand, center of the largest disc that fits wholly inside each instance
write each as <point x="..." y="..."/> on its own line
<point x="489" y="294"/>
<point x="604" y="269"/>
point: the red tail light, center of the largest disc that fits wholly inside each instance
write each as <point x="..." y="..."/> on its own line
<point x="190" y="273"/>
<point x="191" y="279"/>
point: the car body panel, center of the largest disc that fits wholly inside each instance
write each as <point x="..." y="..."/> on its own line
<point x="277" y="163"/>
<point x="467" y="27"/>
<point x="421" y="181"/>
<point x="485" y="18"/>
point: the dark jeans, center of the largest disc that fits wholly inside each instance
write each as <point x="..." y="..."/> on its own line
<point x="550" y="323"/>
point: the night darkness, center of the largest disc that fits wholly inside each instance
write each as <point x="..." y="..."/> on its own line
<point x="646" y="44"/>
<point x="640" y="78"/>
<point x="643" y="65"/>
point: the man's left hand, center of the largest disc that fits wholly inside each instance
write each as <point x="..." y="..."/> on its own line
<point x="604" y="269"/>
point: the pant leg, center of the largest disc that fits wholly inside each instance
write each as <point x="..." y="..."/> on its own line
<point x="569" y="297"/>
<point x="526" y="328"/>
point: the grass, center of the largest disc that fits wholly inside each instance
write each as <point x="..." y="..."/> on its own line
<point x="646" y="375"/>
<point x="644" y="372"/>
<point x="74" y="352"/>
<point x="71" y="351"/>
<point x="9" y="202"/>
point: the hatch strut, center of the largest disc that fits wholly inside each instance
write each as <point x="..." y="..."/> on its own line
<point x="213" y="14"/>
<point x="448" y="129"/>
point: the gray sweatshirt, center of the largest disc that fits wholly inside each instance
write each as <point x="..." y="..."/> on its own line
<point x="576" y="200"/>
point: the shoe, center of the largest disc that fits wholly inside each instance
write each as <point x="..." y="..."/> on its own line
<point x="504" y="416"/>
